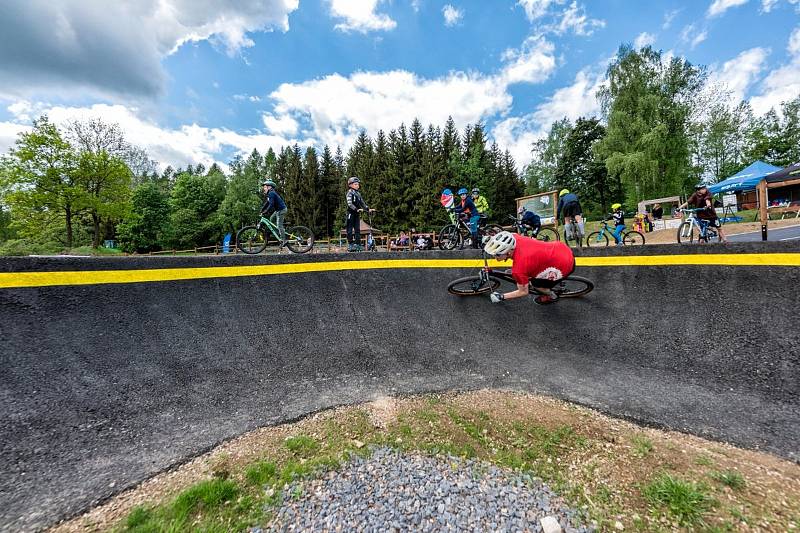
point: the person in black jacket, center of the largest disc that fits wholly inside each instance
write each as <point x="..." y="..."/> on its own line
<point x="355" y="205"/>
<point x="274" y="208"/>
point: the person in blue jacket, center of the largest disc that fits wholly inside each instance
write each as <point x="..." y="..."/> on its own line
<point x="274" y="208"/>
<point x="468" y="210"/>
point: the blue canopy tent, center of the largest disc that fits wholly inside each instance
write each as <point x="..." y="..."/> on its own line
<point x="744" y="180"/>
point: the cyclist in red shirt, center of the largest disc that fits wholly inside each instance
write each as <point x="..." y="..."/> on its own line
<point x="535" y="263"/>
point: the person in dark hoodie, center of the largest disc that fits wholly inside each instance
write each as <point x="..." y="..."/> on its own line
<point x="355" y="206"/>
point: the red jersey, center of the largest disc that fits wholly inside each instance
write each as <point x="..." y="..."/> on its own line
<point x="542" y="260"/>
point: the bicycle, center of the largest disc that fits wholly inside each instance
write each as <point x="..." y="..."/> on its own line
<point x="541" y="234"/>
<point x="600" y="238"/>
<point x="371" y="245"/>
<point x="573" y="238"/>
<point x="696" y="228"/>
<point x="254" y="239"/>
<point x="458" y="233"/>
<point x="489" y="280"/>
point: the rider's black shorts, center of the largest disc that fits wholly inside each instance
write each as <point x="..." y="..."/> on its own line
<point x="550" y="283"/>
<point x="572" y="209"/>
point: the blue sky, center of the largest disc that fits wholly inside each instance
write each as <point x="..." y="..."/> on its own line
<point x="199" y="81"/>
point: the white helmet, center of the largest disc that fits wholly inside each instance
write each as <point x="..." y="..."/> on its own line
<point x="500" y="244"/>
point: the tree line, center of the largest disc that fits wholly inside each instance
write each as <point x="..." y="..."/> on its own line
<point x="86" y="184"/>
<point x="664" y="127"/>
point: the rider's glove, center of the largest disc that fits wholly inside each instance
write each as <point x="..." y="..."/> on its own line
<point x="496" y="297"/>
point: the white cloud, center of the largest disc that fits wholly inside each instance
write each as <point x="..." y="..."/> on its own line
<point x="8" y="134"/>
<point x="116" y="48"/>
<point x="452" y="15"/>
<point x="575" y="18"/>
<point x="718" y="7"/>
<point x="738" y="74"/>
<point x="169" y="146"/>
<point x="360" y="16"/>
<point x="767" y="5"/>
<point x="283" y="125"/>
<point x="693" y="36"/>
<point x="644" y="39"/>
<point x="573" y="101"/>
<point x="533" y="62"/>
<point x="669" y="16"/>
<point x="783" y="83"/>
<point x="535" y="9"/>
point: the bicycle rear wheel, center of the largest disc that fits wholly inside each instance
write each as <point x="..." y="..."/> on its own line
<point x="299" y="239"/>
<point x="449" y="237"/>
<point x="472" y="286"/>
<point x="251" y="239"/>
<point x="633" y="238"/>
<point x="547" y="235"/>
<point x="573" y="240"/>
<point x="573" y="286"/>
<point x="597" y="239"/>
<point x="688" y="232"/>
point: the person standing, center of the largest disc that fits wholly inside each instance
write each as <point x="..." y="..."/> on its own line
<point x="355" y="206"/>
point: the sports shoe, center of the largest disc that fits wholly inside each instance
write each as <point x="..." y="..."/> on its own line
<point x="545" y="299"/>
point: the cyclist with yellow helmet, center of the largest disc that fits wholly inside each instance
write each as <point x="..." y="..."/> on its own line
<point x="570" y="206"/>
<point x="618" y="215"/>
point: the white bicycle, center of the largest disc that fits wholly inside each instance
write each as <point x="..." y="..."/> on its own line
<point x="696" y="229"/>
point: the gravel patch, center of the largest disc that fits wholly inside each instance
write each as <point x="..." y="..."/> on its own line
<point x="390" y="491"/>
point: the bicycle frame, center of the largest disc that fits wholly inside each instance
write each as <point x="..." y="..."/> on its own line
<point x="703" y="228"/>
<point x="274" y="228"/>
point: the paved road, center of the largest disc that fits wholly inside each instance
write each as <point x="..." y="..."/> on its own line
<point x="106" y="385"/>
<point x="789" y="233"/>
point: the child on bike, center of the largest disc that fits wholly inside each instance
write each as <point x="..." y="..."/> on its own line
<point x="355" y="206"/>
<point x="535" y="263"/>
<point x="703" y="199"/>
<point x="618" y="216"/>
<point x="529" y="222"/>
<point x="468" y="210"/>
<point x="274" y="208"/>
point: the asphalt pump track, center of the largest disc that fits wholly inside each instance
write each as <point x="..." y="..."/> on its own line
<point x="115" y="369"/>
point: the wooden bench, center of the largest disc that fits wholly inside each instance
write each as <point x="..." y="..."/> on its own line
<point x="792" y="211"/>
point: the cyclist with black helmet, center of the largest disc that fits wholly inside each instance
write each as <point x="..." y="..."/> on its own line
<point x="274" y="207"/>
<point x="355" y="206"/>
<point x="570" y="206"/>
<point x="703" y="199"/>
<point x="467" y="209"/>
<point x="535" y="263"/>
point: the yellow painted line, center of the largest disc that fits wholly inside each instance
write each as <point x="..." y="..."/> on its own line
<point x="99" y="277"/>
<point x="791" y="259"/>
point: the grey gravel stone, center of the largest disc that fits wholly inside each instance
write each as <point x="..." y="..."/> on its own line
<point x="390" y="491"/>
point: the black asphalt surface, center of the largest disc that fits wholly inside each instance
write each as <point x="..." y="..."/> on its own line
<point x="106" y="385"/>
<point x="789" y="233"/>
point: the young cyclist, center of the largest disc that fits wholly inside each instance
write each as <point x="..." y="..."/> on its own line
<point x="535" y="264"/>
<point x="703" y="199"/>
<point x="355" y="206"/>
<point x="529" y="221"/>
<point x="468" y="210"/>
<point x="274" y="208"/>
<point x="619" y="222"/>
<point x="570" y="206"/>
<point x="481" y="203"/>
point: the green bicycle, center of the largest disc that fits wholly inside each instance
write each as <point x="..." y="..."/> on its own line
<point x="254" y="239"/>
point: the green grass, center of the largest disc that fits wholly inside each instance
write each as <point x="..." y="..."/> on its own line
<point x="683" y="501"/>
<point x="261" y="473"/>
<point x="642" y="446"/>
<point x="703" y="460"/>
<point x="302" y="445"/>
<point x="729" y="478"/>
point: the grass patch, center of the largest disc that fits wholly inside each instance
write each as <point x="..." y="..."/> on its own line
<point x="642" y="446"/>
<point x="302" y="445"/>
<point x="596" y="465"/>
<point x="729" y="478"/>
<point x="683" y="501"/>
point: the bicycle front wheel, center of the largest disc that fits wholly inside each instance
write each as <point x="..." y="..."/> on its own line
<point x="299" y="239"/>
<point x="472" y="286"/>
<point x="597" y="239"/>
<point x="633" y="238"/>
<point x="573" y="286"/>
<point x="688" y="233"/>
<point x="251" y="239"/>
<point x="449" y="237"/>
<point x="547" y="235"/>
